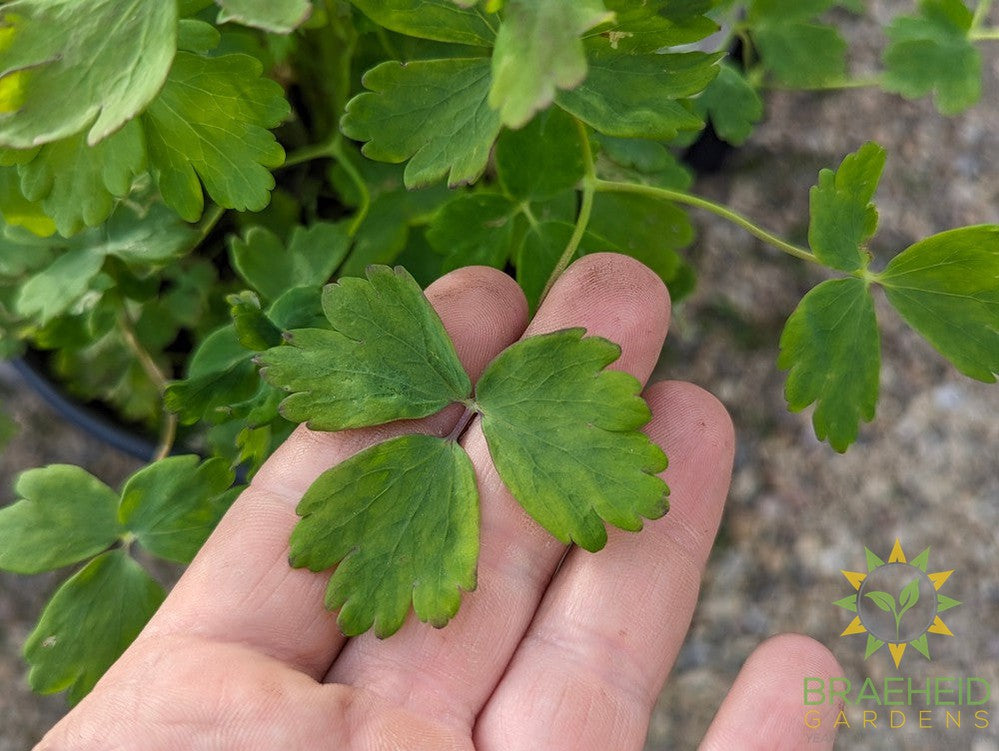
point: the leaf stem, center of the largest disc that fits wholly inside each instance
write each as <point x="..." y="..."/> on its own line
<point x="168" y="428"/>
<point x="836" y="84"/>
<point x="332" y="148"/>
<point x="982" y="35"/>
<point x="321" y="150"/>
<point x="585" y="209"/>
<point x="666" y="194"/>
<point x="981" y="11"/>
<point x="462" y="425"/>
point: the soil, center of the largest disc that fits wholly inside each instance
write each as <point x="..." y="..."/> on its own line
<point x="925" y="472"/>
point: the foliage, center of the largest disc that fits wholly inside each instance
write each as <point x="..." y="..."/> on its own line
<point x="180" y="180"/>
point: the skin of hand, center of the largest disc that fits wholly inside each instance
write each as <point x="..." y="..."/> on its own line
<point x="556" y="649"/>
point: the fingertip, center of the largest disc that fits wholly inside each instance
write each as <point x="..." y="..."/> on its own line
<point x="766" y="708"/>
<point x="684" y="412"/>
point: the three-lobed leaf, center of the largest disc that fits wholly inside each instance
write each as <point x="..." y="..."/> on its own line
<point x="400" y="521"/>
<point x="732" y="104"/>
<point x="947" y="288"/>
<point x="386" y="357"/>
<point x="209" y="125"/>
<point x="432" y="112"/>
<point x="88" y="623"/>
<point x="69" y="65"/>
<point x="932" y="52"/>
<point x="564" y="434"/>
<point x="171" y="506"/>
<point x="831" y="348"/>
<point x="277" y="16"/>
<point x="538" y="52"/>
<point x="64" y="516"/>
<point x="842" y="217"/>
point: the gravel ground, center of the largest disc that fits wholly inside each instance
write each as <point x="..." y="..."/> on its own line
<point x="924" y="472"/>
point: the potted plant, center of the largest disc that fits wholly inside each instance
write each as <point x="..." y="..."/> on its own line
<point x="180" y="180"/>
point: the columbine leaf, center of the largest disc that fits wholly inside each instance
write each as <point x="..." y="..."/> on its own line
<point x="653" y="25"/>
<point x="219" y="375"/>
<point x="639" y="160"/>
<point x="432" y="112"/>
<point x="931" y="52"/>
<point x="77" y="183"/>
<point x="947" y="288"/>
<point x="210" y="122"/>
<point x="802" y="54"/>
<point x="54" y="289"/>
<point x="564" y="436"/>
<point x="400" y="521"/>
<point x="883" y="600"/>
<point x="386" y="358"/>
<point x="538" y="51"/>
<point x="254" y="330"/>
<point x="537" y="256"/>
<point x="65" y="515"/>
<point x="634" y="96"/>
<point x="542" y="159"/>
<point x="842" y="215"/>
<point x="830" y="345"/>
<point x="312" y="255"/>
<point x="18" y="211"/>
<point x="441" y="20"/>
<point x="88" y="623"/>
<point x="733" y="105"/>
<point x="474" y="229"/>
<point x="170" y="505"/>
<point x="69" y="64"/>
<point x="278" y="16"/>
<point x="197" y="36"/>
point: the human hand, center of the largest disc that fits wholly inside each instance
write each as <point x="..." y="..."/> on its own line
<point x="556" y="649"/>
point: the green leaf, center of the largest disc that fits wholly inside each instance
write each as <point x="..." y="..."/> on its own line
<point x="842" y="215"/>
<point x="77" y="184"/>
<point x="908" y="597"/>
<point x="539" y="252"/>
<point x="400" y="521"/>
<point x="432" y="112"/>
<point x="932" y="52"/>
<point x="474" y="229"/>
<point x="254" y="329"/>
<point x="65" y="515"/>
<point x="53" y="290"/>
<point x="802" y="54"/>
<point x="634" y="96"/>
<point x="538" y="51"/>
<point x="88" y="623"/>
<point x="277" y="16"/>
<point x="197" y="36"/>
<point x="542" y="159"/>
<point x="883" y="600"/>
<point x="66" y="65"/>
<point x="210" y="122"/>
<point x="830" y="346"/>
<point x="441" y="20"/>
<point x="564" y="435"/>
<point x="312" y="255"/>
<point x="220" y="374"/>
<point x="732" y="104"/>
<point x="18" y="211"/>
<point x="638" y="160"/>
<point x="386" y="358"/>
<point x="775" y="11"/>
<point x="144" y="234"/>
<point x="947" y="288"/>
<point x="170" y="505"/>
<point x="652" y="25"/>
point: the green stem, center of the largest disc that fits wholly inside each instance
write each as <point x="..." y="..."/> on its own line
<point x="832" y="85"/>
<point x="666" y="194"/>
<point x="983" y="35"/>
<point x="525" y="209"/>
<point x="168" y="428"/>
<point x="322" y="150"/>
<point x="981" y="11"/>
<point x="585" y="209"/>
<point x="337" y="151"/>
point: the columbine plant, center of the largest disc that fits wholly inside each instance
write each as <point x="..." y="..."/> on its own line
<point x="161" y="246"/>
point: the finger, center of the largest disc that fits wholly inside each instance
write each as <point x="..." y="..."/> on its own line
<point x="765" y="708"/>
<point x="590" y="667"/>
<point x="450" y="673"/>
<point x="240" y="586"/>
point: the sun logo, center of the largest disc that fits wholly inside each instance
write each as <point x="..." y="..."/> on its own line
<point x="897" y="603"/>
